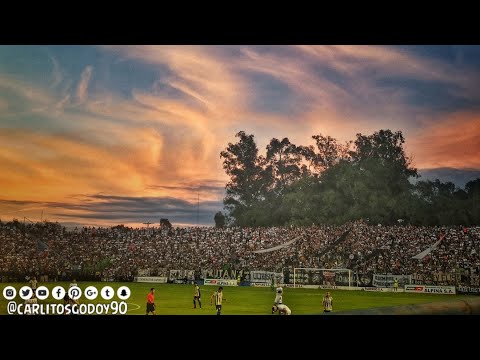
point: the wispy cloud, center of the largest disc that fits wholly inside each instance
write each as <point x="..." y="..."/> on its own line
<point x="61" y="104"/>
<point x="159" y="133"/>
<point x="57" y="74"/>
<point x="82" y="88"/>
<point x="114" y="210"/>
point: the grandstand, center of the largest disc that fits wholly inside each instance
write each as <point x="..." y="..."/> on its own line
<point x="52" y="252"/>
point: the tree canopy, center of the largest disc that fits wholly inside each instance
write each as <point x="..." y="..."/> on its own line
<point x="368" y="178"/>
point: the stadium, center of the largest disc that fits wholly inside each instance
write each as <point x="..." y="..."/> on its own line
<point x="317" y="261"/>
<point x="160" y="180"/>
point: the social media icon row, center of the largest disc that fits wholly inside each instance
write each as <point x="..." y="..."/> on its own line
<point x="58" y="292"/>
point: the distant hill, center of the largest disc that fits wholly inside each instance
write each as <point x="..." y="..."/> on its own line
<point x="457" y="176"/>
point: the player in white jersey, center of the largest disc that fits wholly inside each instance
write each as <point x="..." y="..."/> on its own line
<point x="282" y="309"/>
<point x="279" y="295"/>
<point x="218" y="296"/>
<point x="327" y="303"/>
<point x="33" y="284"/>
<point x="27" y="309"/>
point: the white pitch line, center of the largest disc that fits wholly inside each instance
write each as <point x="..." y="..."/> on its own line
<point x="133" y="309"/>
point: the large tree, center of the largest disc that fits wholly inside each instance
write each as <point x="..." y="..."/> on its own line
<point x="387" y="147"/>
<point x="328" y="153"/>
<point x="219" y="220"/>
<point x="284" y="160"/>
<point x="369" y="180"/>
<point x="248" y="179"/>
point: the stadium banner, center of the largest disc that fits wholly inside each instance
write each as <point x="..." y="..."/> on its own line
<point x="382" y="280"/>
<point x="150" y="279"/>
<point x="329" y="287"/>
<point x="294" y="286"/>
<point x="162" y="272"/>
<point x="430" y="289"/>
<point x="440" y="290"/>
<point x="220" y="282"/>
<point x="326" y="287"/>
<point x="265" y="277"/>
<point x="368" y="288"/>
<point x="260" y="284"/>
<point x="351" y="288"/>
<point x="337" y="277"/>
<point x="278" y="247"/>
<point x="473" y="290"/>
<point x="310" y="286"/>
<point x="228" y="274"/>
<point x="179" y="276"/>
<point x="415" y="288"/>
<point x="143" y="272"/>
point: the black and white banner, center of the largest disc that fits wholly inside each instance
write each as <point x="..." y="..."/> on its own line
<point x="181" y="275"/>
<point x="225" y="274"/>
<point x="150" y="279"/>
<point x="387" y="280"/>
<point x="266" y="277"/>
<point x="474" y="290"/>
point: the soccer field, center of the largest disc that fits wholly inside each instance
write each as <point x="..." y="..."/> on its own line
<point x="176" y="299"/>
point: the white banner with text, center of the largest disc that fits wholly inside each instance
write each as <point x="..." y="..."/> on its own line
<point x="150" y="279"/>
<point x="220" y="282"/>
<point x="430" y="289"/>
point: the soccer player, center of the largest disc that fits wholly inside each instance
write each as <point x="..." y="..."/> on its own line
<point x="279" y="295"/>
<point x="196" y="296"/>
<point x="282" y="309"/>
<point x="218" y="296"/>
<point x="32" y="300"/>
<point x="73" y="283"/>
<point x="151" y="302"/>
<point x="33" y="284"/>
<point x="395" y="285"/>
<point x="272" y="283"/>
<point x="327" y="303"/>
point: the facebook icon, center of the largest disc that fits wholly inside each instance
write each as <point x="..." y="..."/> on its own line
<point x="58" y="293"/>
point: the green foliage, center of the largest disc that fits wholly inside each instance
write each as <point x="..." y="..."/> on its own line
<point x="219" y="220"/>
<point x="368" y="178"/>
<point x="165" y="223"/>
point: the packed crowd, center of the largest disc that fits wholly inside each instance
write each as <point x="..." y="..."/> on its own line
<point x="119" y="252"/>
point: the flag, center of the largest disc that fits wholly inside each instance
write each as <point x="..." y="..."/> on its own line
<point x="41" y="246"/>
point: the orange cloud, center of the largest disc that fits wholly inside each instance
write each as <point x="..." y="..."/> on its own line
<point x="150" y="144"/>
<point x="453" y="141"/>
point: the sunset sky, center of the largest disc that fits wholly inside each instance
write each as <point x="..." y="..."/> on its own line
<point x="107" y="135"/>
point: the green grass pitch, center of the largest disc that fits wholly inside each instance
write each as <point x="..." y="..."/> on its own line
<point x="176" y="299"/>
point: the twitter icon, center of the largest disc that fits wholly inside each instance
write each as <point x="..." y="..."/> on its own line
<point x="26" y="292"/>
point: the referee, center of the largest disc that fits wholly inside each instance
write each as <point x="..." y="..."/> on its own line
<point x="151" y="302"/>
